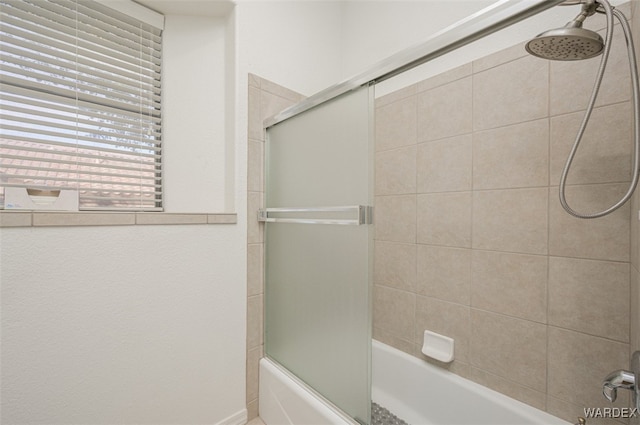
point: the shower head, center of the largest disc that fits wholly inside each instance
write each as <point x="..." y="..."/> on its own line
<point x="566" y="43"/>
<point x="571" y="42"/>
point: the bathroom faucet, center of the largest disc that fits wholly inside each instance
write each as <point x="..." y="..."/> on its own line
<point x="628" y="380"/>
<point x="618" y="379"/>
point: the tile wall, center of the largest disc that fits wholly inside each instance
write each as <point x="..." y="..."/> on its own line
<point x="472" y="243"/>
<point x="635" y="228"/>
<point x="470" y="239"/>
<point x="265" y="100"/>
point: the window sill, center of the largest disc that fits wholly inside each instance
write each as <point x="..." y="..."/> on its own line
<point x="97" y="218"/>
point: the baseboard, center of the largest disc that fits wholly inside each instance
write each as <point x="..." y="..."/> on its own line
<point x="239" y="418"/>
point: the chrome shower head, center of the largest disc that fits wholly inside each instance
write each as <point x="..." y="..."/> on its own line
<point x="571" y="42"/>
<point x="567" y="44"/>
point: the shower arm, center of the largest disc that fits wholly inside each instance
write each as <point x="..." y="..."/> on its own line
<point x="610" y="13"/>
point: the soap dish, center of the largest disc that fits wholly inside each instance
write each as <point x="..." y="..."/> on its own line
<point x="438" y="347"/>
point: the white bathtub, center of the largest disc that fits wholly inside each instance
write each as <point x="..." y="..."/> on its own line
<point x="414" y="390"/>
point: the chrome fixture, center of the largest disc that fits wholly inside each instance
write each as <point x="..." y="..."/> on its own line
<point x="624" y="379"/>
<point x="619" y="379"/>
<point x="572" y="42"/>
<point x="363" y="215"/>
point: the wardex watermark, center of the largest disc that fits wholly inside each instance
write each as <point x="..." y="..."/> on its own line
<point x="610" y="412"/>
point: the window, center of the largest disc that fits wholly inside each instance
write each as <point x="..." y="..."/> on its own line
<point x="80" y="103"/>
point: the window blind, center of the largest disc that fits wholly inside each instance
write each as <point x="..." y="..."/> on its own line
<point x="80" y="103"/>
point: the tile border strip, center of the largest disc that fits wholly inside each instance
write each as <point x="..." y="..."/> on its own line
<point x="71" y="219"/>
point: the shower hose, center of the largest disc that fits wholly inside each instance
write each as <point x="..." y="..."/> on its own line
<point x="610" y="12"/>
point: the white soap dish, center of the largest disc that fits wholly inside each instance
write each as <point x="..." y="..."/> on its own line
<point x="438" y="347"/>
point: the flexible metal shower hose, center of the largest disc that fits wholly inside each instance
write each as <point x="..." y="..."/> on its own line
<point x="610" y="13"/>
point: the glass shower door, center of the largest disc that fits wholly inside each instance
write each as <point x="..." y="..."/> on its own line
<point x="318" y="249"/>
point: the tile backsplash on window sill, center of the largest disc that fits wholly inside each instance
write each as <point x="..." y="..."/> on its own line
<point x="98" y="218"/>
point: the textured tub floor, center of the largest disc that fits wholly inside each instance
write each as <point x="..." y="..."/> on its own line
<point x="381" y="416"/>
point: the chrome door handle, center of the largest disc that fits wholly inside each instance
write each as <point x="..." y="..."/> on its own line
<point x="362" y="215"/>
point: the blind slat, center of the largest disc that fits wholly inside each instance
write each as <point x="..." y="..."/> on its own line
<point x="51" y="50"/>
<point x="106" y="191"/>
<point x="58" y="104"/>
<point x="54" y="178"/>
<point x="43" y="21"/>
<point x="35" y="147"/>
<point x="65" y="65"/>
<point x="147" y="167"/>
<point x="80" y="103"/>
<point x="88" y="122"/>
<point x="77" y="137"/>
<point x="69" y="93"/>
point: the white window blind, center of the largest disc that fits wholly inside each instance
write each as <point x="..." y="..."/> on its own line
<point x="80" y="103"/>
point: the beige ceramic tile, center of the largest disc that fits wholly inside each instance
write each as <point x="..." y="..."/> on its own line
<point x="512" y="389"/>
<point x="396" y="171"/>
<point x="255" y="167"/>
<point x="15" y="219"/>
<point x="393" y="341"/>
<point x="458" y="367"/>
<point x="578" y="363"/>
<point x="395" y="265"/>
<point x="513" y="220"/>
<point x="634" y="250"/>
<point x="571" y="412"/>
<point x="590" y="296"/>
<point x="255" y="269"/>
<point x="445" y="165"/>
<point x="444" y="273"/>
<point x="444" y="318"/>
<point x="396" y="124"/>
<point x="635" y="310"/>
<point x="445" y="111"/>
<point x="271" y="104"/>
<point x="169" y="218"/>
<point x="445" y="77"/>
<point x="275" y="89"/>
<point x="254" y="80"/>
<point x="445" y="219"/>
<point x="394" y="311"/>
<point x="253" y="372"/>
<point x="604" y="154"/>
<point x="515" y="92"/>
<point x="511" y="284"/>
<point x="83" y="219"/>
<point x="397" y="95"/>
<point x="605" y="238"/>
<point x="255" y="321"/>
<point x="512" y="157"/>
<point x="506" y="55"/>
<point x="252" y="413"/>
<point x="256" y="421"/>
<point x="255" y="130"/>
<point x="222" y="218"/>
<point x="255" y="230"/>
<point x="511" y="348"/>
<point x="395" y="218"/>
<point x="572" y="82"/>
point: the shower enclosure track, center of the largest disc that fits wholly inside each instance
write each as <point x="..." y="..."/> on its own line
<point x="484" y="22"/>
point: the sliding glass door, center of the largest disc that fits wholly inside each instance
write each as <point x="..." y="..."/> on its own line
<point x="319" y="248"/>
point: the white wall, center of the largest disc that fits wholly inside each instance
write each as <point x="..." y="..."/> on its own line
<point x="140" y="324"/>
<point x="293" y="43"/>
<point x="194" y="103"/>
<point x="105" y="325"/>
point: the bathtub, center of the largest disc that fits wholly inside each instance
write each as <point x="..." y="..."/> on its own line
<point x="413" y="390"/>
